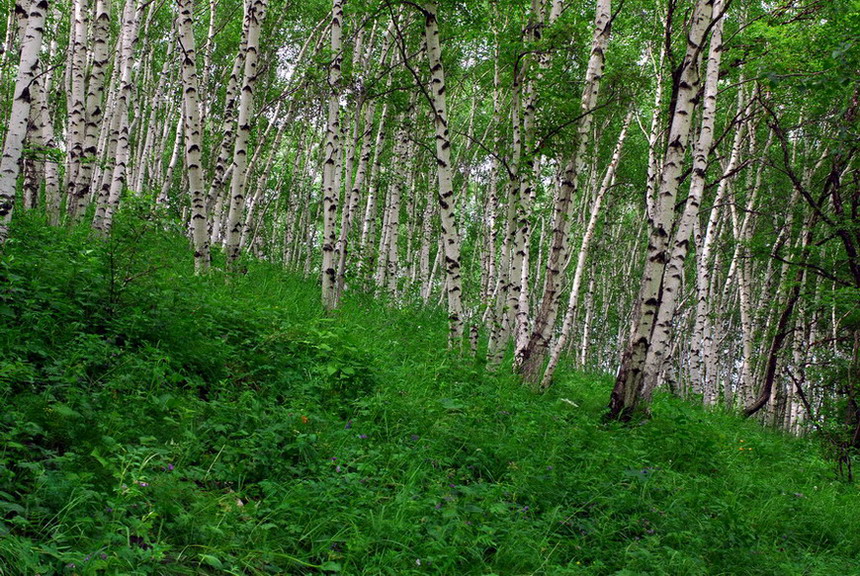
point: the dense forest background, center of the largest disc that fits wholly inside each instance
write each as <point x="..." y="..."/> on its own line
<point x="666" y="192"/>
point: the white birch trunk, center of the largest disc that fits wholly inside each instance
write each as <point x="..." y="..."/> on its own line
<point x="193" y="135"/>
<point x="222" y="169"/>
<point x="585" y="245"/>
<point x="629" y="388"/>
<point x="104" y="213"/>
<point x="76" y="127"/>
<point x="16" y="130"/>
<point x="256" y="13"/>
<point x="331" y="166"/>
<point x="531" y="356"/>
<point x="355" y="195"/>
<point x="673" y="269"/>
<point x="94" y="102"/>
<point x="368" y="228"/>
<point x="450" y="234"/>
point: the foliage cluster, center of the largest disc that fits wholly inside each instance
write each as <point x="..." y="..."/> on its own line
<point x="158" y="423"/>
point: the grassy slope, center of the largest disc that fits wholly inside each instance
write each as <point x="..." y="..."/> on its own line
<point x="156" y="423"/>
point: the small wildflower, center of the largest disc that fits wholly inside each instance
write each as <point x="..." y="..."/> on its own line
<point x="348" y="425"/>
<point x="304" y="419"/>
<point x="337" y="468"/>
<point x="362" y="436"/>
<point x="143" y="484"/>
<point x="103" y="556"/>
<point x="414" y="437"/>
<point x="418" y="561"/>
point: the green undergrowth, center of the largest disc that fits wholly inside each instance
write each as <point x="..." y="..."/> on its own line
<point x="158" y="423"/>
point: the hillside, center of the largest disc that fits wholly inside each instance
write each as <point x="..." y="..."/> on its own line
<point x="156" y="422"/>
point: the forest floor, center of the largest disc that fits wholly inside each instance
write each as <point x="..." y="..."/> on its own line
<point x="158" y="423"/>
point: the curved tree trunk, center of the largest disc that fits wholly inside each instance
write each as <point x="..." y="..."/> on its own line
<point x="256" y="13"/>
<point x="588" y="235"/>
<point x="629" y="393"/>
<point x="532" y="355"/>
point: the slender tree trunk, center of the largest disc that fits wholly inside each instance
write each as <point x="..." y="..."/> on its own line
<point x="256" y="13"/>
<point x="223" y="168"/>
<point x="94" y="103"/>
<point x="193" y="135"/>
<point x="629" y="392"/>
<point x="573" y="301"/>
<point x="783" y="329"/>
<point x="351" y="207"/>
<point x="531" y="357"/>
<point x="76" y="128"/>
<point x="16" y="130"/>
<point x="368" y="228"/>
<point x="673" y="269"/>
<point x="331" y="166"/>
<point x="450" y="233"/>
<point x="105" y="211"/>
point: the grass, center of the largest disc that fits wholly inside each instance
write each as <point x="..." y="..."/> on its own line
<point x="158" y="423"/>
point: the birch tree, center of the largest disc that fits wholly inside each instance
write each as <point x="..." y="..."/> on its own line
<point x="630" y="391"/>
<point x="16" y="130"/>
<point x="531" y="357"/>
<point x="673" y="270"/>
<point x="255" y="15"/>
<point x="107" y="205"/>
<point x="76" y="105"/>
<point x="81" y="187"/>
<point x="330" y="164"/>
<point x="450" y="233"/>
<point x="193" y="136"/>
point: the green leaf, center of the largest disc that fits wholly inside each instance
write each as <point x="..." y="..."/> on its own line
<point x="211" y="561"/>
<point x="65" y="411"/>
<point x="451" y="404"/>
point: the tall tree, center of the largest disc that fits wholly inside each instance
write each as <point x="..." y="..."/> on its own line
<point x="531" y="357"/>
<point x="630" y="392"/>
<point x="330" y="164"/>
<point x="109" y="202"/>
<point x="255" y="14"/>
<point x="450" y="232"/>
<point x="193" y="136"/>
<point x="16" y="130"/>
